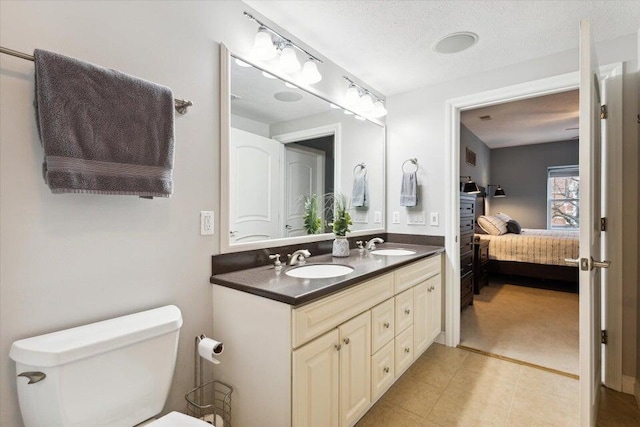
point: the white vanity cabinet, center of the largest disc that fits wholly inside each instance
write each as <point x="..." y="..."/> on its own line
<point x="327" y="362"/>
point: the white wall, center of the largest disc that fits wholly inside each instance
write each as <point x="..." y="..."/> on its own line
<point x="416" y="128"/>
<point x="73" y="259"/>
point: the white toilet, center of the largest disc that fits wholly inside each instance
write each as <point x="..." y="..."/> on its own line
<point x="114" y="373"/>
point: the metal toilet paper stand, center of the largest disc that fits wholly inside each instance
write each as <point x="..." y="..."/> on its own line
<point x="211" y="400"/>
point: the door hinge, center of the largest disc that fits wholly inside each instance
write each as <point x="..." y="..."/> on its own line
<point x="603" y="224"/>
<point x="604" y="337"/>
<point x="604" y="112"/>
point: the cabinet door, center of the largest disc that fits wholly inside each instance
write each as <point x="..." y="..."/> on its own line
<point x="355" y="368"/>
<point x="434" y="308"/>
<point x="382" y="324"/>
<point x="316" y="372"/>
<point x="403" y="351"/>
<point x="404" y="310"/>
<point x="421" y="333"/>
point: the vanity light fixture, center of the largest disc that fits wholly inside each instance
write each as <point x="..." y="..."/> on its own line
<point x="268" y="43"/>
<point x="470" y="187"/>
<point x="499" y="191"/>
<point x="363" y="100"/>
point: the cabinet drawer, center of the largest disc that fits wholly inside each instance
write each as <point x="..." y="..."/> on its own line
<point x="417" y="272"/>
<point x="467" y="207"/>
<point x="466" y="290"/>
<point x="382" y="324"/>
<point x="466" y="263"/>
<point x="466" y="225"/>
<point x="382" y="370"/>
<point x="314" y="319"/>
<point x="404" y="310"/>
<point x="466" y="242"/>
<point x="403" y="351"/>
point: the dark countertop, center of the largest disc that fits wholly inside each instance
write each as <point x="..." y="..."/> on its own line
<point x="266" y="282"/>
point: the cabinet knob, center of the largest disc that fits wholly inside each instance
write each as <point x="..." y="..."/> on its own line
<point x="429" y="289"/>
<point x="338" y="347"/>
<point x="407" y="311"/>
<point x="432" y="288"/>
<point x="386" y="369"/>
<point x="407" y="350"/>
<point x="386" y="325"/>
<point x="347" y="340"/>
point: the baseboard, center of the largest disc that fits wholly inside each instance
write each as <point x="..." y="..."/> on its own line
<point x="628" y="384"/>
<point x="636" y="392"/>
<point x="440" y="339"/>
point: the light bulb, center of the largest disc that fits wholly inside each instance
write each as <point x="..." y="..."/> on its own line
<point x="366" y="103"/>
<point x="378" y="110"/>
<point x="287" y="84"/>
<point x="263" y="45"/>
<point x="269" y="76"/>
<point x="288" y="60"/>
<point x="360" y="118"/>
<point x="241" y="63"/>
<point x="352" y="96"/>
<point x="310" y="72"/>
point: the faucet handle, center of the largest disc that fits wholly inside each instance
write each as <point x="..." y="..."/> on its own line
<point x="277" y="263"/>
<point x="360" y="244"/>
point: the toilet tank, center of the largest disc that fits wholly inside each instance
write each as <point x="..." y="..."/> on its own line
<point x="111" y="373"/>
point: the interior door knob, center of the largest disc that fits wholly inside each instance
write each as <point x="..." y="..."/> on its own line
<point x="288" y="227"/>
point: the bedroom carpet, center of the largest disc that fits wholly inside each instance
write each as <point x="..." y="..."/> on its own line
<point x="537" y="326"/>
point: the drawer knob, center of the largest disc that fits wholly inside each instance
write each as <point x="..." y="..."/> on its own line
<point x="433" y="287"/>
<point x="407" y="350"/>
<point x="347" y="340"/>
<point x="386" y="369"/>
<point x="386" y="325"/>
<point x="338" y="347"/>
<point x="407" y="311"/>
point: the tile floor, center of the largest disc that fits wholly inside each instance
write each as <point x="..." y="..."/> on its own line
<point x="455" y="387"/>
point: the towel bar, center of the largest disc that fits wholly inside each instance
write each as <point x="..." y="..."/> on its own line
<point x="181" y="105"/>
<point x="414" y="161"/>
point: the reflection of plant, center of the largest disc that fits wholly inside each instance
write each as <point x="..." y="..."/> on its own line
<point x="341" y="216"/>
<point x="312" y="221"/>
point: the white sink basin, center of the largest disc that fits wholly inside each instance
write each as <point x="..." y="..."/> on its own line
<point x="319" y="271"/>
<point x="393" y="252"/>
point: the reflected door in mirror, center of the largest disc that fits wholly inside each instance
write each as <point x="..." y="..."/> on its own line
<point x="304" y="176"/>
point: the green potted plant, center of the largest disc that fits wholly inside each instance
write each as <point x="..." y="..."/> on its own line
<point x="312" y="221"/>
<point x="340" y="225"/>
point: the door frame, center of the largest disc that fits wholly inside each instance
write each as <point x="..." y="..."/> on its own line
<point x="546" y="86"/>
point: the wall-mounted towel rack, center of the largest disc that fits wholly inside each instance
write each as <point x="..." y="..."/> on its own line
<point x="362" y="167"/>
<point x="413" y="161"/>
<point x="181" y="105"/>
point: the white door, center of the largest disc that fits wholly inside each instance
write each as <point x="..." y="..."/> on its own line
<point x="316" y="373"/>
<point x="254" y="187"/>
<point x="590" y="210"/>
<point x="355" y="368"/>
<point x="304" y="175"/>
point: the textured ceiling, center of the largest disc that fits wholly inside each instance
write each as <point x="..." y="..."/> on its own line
<point x="388" y="44"/>
<point x="546" y="118"/>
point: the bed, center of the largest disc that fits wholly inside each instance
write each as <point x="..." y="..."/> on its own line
<point x="533" y="253"/>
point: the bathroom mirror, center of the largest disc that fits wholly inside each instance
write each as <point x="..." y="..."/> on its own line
<point x="280" y="146"/>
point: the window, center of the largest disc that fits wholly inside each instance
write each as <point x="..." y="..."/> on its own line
<point x="563" y="196"/>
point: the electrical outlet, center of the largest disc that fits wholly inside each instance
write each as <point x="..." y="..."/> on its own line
<point x="360" y="218"/>
<point x="434" y="219"/>
<point x="396" y="217"/>
<point x="377" y="217"/>
<point x="206" y="223"/>
<point x="416" y="218"/>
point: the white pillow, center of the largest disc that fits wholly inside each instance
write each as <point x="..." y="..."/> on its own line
<point x="503" y="216"/>
<point x="493" y="225"/>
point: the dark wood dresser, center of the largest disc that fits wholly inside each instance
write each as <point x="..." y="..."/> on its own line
<point x="467" y="222"/>
<point x="480" y="265"/>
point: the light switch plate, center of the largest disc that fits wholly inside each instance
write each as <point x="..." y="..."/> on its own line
<point x="377" y="217"/>
<point x="396" y="217"/>
<point x="416" y="218"/>
<point x="206" y="223"/>
<point x="434" y="219"/>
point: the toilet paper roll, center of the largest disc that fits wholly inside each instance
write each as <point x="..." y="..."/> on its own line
<point x="209" y="348"/>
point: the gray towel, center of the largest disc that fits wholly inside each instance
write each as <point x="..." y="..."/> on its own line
<point x="360" y="195"/>
<point x="103" y="131"/>
<point x="409" y="189"/>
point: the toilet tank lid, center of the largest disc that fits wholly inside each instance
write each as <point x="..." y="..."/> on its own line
<point x="59" y="348"/>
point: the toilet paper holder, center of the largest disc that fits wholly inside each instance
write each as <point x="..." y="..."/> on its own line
<point x="210" y="400"/>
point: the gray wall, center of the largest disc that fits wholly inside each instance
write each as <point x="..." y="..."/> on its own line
<point x="522" y="172"/>
<point x="480" y="172"/>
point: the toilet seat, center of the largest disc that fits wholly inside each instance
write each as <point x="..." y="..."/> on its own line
<point x="177" y="419"/>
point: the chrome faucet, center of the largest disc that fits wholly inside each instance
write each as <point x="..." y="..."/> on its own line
<point x="299" y="257"/>
<point x="371" y="244"/>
